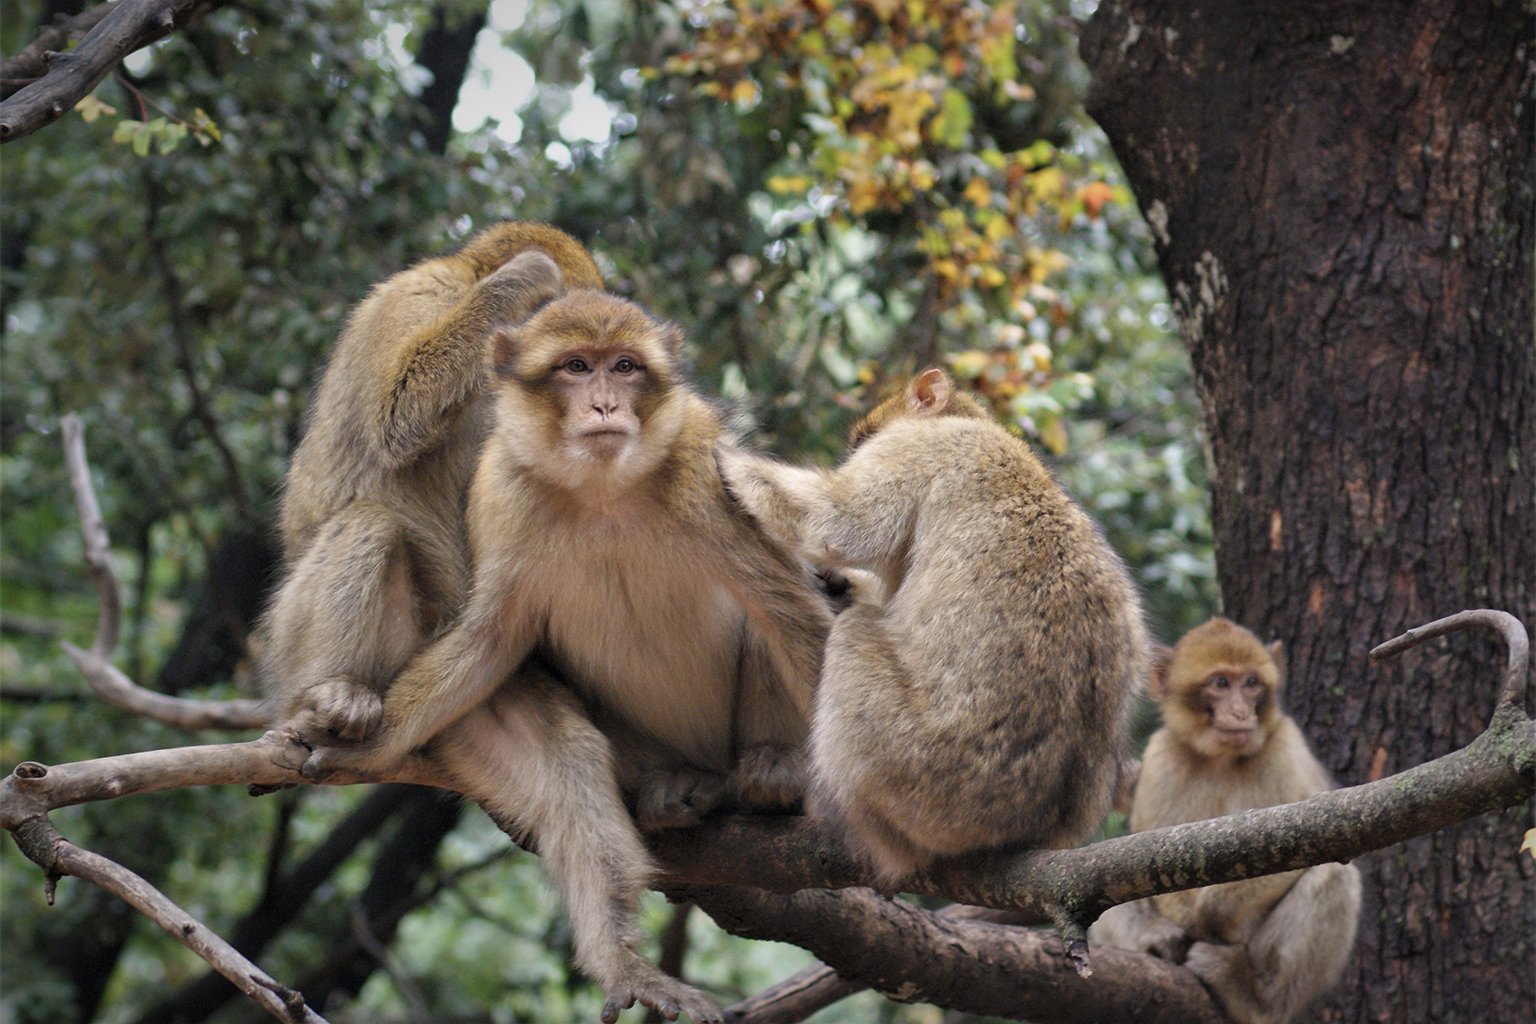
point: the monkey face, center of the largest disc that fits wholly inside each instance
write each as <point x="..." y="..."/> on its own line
<point x="599" y="392"/>
<point x="1233" y="703"/>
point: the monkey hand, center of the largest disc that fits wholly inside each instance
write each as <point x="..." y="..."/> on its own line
<point x="750" y="484"/>
<point x="340" y="708"/>
<point x="369" y="758"/>
<point x="677" y="799"/>
<point x="768" y="777"/>
<point x="639" y="979"/>
<point x="1164" y="939"/>
<point x="521" y="285"/>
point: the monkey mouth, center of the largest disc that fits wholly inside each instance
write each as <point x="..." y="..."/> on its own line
<point x="1234" y="737"/>
<point x="604" y="442"/>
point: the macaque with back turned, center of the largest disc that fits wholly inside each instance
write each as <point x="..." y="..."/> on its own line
<point x="1267" y="947"/>
<point x="975" y="691"/>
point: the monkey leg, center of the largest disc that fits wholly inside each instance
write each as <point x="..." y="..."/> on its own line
<point x="534" y="761"/>
<point x="864" y="777"/>
<point x="344" y="622"/>
<point x="768" y="736"/>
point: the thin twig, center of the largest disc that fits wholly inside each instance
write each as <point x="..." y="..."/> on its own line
<point x="98" y="550"/>
<point x="109" y="683"/>
<point x="58" y="857"/>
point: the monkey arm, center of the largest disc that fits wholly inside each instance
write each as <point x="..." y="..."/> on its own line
<point x="1138" y="927"/>
<point x="778" y="498"/>
<point x="441" y="684"/>
<point x="442" y="364"/>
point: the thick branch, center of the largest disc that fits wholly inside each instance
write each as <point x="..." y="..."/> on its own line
<point x="31" y="62"/>
<point x="130" y="25"/>
<point x="915" y="956"/>
<point x="783" y="855"/>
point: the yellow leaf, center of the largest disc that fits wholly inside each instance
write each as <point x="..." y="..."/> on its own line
<point x="785" y="183"/>
<point x="978" y="192"/>
<point x="1054" y="435"/>
<point x="969" y="364"/>
<point x="91" y="108"/>
<point x="744" y="92"/>
<point x="1529" y="846"/>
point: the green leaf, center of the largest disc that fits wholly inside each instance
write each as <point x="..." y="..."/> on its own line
<point x="952" y="124"/>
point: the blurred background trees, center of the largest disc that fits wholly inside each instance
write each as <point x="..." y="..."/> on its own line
<point x="823" y="195"/>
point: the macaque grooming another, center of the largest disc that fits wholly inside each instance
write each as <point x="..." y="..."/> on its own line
<point x="603" y="543"/>
<point x="1266" y="947"/>
<point x="373" y="504"/>
<point x="974" y="695"/>
<point x="377" y="557"/>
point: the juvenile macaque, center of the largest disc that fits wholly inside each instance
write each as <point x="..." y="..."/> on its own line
<point x="603" y="543"/>
<point x="974" y="694"/>
<point x="373" y="505"/>
<point x="1266" y="947"/>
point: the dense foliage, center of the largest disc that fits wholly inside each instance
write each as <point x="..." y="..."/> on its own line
<point x="823" y="194"/>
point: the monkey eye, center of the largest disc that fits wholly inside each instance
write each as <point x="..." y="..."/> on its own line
<point x="576" y="364"/>
<point x="625" y="365"/>
<point x="1251" y="683"/>
<point x="1220" y="682"/>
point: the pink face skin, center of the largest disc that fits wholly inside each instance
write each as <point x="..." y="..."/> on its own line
<point x="602" y="391"/>
<point x="1233" y="702"/>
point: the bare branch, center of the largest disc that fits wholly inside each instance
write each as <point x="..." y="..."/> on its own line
<point x="72" y="74"/>
<point x="58" y="857"/>
<point x="98" y="550"/>
<point x="106" y="681"/>
<point x="1518" y="645"/>
<point x="795" y="998"/>
<point x="913" y="955"/>
<point x="111" y="685"/>
<point x="818" y="986"/>
<point x="32" y="62"/>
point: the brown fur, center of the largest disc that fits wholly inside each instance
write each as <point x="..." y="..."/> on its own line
<point x="375" y="538"/>
<point x="373" y="504"/>
<point x="974" y="696"/>
<point x="1267" y="947"/>
<point x="603" y="539"/>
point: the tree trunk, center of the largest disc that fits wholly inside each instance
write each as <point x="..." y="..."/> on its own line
<point x="1341" y="195"/>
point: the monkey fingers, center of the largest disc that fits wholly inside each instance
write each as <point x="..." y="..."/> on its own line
<point x="643" y="981"/>
<point x="342" y="708"/>
<point x="768" y="777"/>
<point x="677" y="798"/>
<point x="326" y="761"/>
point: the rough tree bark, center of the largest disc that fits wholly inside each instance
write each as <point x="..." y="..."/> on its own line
<point x="1342" y="200"/>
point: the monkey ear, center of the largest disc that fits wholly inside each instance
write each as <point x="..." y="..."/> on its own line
<point x="505" y="343"/>
<point x="672" y="339"/>
<point x="1157" y="672"/>
<point x="930" y="391"/>
<point x="1276" y="651"/>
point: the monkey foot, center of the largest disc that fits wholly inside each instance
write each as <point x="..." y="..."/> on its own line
<point x="639" y="980"/>
<point x="677" y="799"/>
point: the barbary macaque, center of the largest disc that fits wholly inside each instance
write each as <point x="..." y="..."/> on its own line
<point x="1266" y="947"/>
<point x="373" y="503"/>
<point x="974" y="694"/>
<point x="377" y="559"/>
<point x="604" y="545"/>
